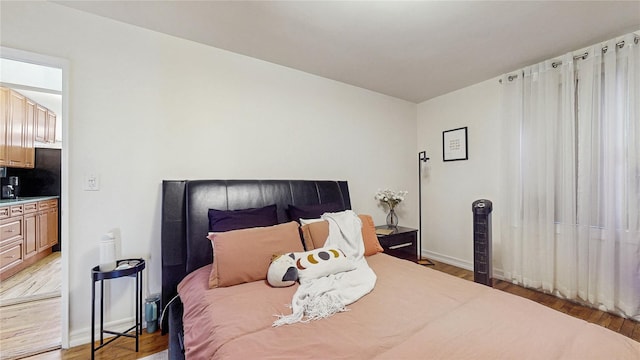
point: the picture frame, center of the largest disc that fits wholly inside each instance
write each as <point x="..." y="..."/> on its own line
<point x="454" y="145"/>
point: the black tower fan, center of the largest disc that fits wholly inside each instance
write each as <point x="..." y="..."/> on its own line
<point x="482" y="267"/>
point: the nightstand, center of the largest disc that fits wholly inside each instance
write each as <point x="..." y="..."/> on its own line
<point x="124" y="268"/>
<point x="401" y="243"/>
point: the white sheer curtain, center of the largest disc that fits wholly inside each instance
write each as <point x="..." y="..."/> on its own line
<point x="571" y="181"/>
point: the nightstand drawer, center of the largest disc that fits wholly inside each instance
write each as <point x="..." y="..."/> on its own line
<point x="397" y="241"/>
<point x="402" y="242"/>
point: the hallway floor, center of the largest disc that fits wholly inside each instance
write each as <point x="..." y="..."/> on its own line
<point x="30" y="310"/>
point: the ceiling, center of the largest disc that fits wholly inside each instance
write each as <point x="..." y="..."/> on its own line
<point x="412" y="50"/>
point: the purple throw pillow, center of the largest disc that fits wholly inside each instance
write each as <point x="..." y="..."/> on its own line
<point x="227" y="220"/>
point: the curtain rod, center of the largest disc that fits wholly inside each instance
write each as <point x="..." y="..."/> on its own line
<point x="619" y="45"/>
<point x="583" y="56"/>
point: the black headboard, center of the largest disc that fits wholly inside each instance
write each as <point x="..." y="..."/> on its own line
<point x="185" y="222"/>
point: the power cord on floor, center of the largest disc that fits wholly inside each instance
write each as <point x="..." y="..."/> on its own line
<point x="165" y="310"/>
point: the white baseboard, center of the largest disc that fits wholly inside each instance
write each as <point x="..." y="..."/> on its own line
<point x="448" y="260"/>
<point x="464" y="264"/>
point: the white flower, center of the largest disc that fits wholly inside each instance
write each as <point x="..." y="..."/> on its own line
<point x="390" y="198"/>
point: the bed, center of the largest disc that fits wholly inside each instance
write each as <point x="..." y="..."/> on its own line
<point x="412" y="312"/>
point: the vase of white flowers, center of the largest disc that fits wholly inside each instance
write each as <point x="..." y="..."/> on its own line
<point x="392" y="219"/>
<point x="391" y="199"/>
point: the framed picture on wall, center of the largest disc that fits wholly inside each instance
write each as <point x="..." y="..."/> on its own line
<point x="454" y="144"/>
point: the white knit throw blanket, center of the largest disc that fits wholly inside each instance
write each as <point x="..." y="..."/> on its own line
<point x="323" y="297"/>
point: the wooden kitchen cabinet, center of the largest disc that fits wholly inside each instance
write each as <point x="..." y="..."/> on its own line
<point x="43" y="222"/>
<point x="10" y="256"/>
<point x="28" y="135"/>
<point x="52" y="221"/>
<point x="31" y="229"/>
<point x="23" y="122"/>
<point x="11" y="242"/>
<point x="51" y="127"/>
<point x="10" y="230"/>
<point x="48" y="224"/>
<point x="15" y="129"/>
<point x="45" y="125"/>
<point x="18" y="128"/>
<point x="30" y="235"/>
<point x="4" y="212"/>
<point x="28" y="231"/>
<point x="4" y="119"/>
<point x="41" y="123"/>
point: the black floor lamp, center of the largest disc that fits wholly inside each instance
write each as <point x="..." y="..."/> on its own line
<point x="422" y="157"/>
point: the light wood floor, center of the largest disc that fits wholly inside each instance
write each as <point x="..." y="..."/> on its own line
<point x="30" y="327"/>
<point x="153" y="343"/>
<point x="121" y="349"/>
<point x="40" y="281"/>
<point x="30" y="310"/>
<point x="626" y="327"/>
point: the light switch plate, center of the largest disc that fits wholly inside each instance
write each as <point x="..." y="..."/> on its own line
<point x="91" y="182"/>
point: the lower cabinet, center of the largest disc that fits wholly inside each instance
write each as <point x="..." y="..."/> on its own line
<point x="31" y="225"/>
<point x="48" y="224"/>
<point x="52" y="224"/>
<point x="10" y="255"/>
<point x="27" y="237"/>
<point x="11" y="239"/>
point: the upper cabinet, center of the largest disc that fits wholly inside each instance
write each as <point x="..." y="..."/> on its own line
<point x="41" y="123"/>
<point x="51" y="127"/>
<point x="4" y="119"/>
<point x="45" y="125"/>
<point x="16" y="130"/>
<point x="28" y="132"/>
<point x="23" y="122"/>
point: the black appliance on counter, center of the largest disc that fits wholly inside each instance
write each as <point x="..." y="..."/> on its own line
<point x="11" y="187"/>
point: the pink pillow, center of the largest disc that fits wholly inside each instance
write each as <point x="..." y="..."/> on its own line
<point x="371" y="244"/>
<point x="315" y="235"/>
<point x="241" y="256"/>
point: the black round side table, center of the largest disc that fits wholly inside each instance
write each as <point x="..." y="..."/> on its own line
<point x="125" y="267"/>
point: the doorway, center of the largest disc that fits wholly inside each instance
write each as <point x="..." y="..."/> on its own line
<point x="43" y="79"/>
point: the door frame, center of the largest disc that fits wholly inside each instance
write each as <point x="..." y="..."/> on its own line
<point x="60" y="63"/>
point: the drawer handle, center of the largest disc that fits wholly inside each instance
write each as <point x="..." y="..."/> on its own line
<point x="400" y="246"/>
<point x="10" y="257"/>
<point x="9" y="230"/>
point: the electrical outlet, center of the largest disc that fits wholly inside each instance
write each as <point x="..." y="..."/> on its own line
<point x="91" y="182"/>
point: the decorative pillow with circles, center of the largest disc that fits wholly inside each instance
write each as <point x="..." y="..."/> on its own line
<point x="321" y="262"/>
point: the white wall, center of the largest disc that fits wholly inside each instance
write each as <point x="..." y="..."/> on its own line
<point x="144" y="107"/>
<point x="449" y="188"/>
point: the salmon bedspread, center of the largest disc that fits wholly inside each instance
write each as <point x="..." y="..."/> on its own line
<point x="412" y="313"/>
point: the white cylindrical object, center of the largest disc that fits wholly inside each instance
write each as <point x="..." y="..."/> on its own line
<point x="108" y="252"/>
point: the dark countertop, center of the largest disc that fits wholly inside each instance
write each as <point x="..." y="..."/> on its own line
<point x="24" y="200"/>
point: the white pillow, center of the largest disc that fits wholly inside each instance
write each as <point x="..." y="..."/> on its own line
<point x="309" y="221"/>
<point x="282" y="271"/>
<point x="321" y="262"/>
